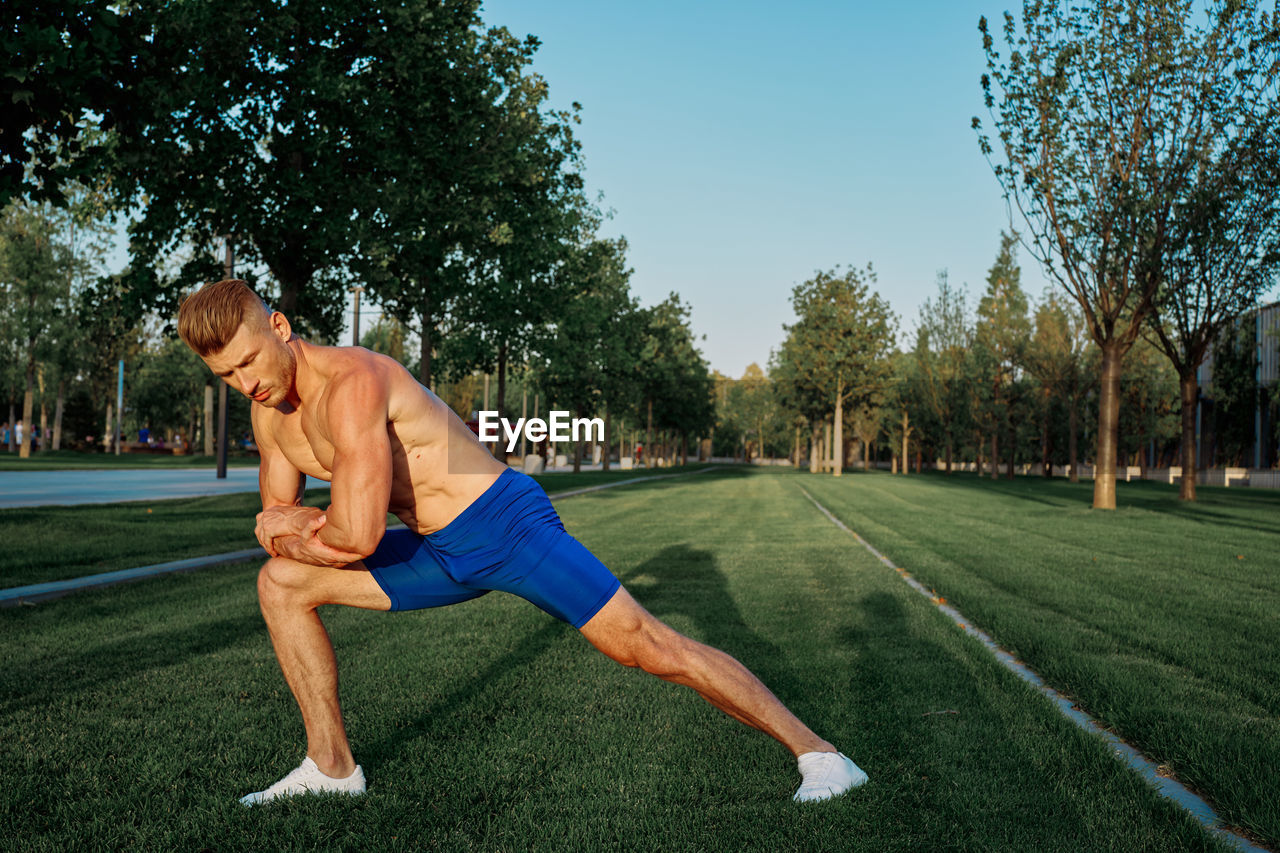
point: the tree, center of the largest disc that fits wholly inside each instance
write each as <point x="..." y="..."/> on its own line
<point x="800" y="393"/>
<point x="587" y="358"/>
<point x="34" y="266"/>
<point x="1224" y="246"/>
<point x="1002" y="332"/>
<point x="943" y="337"/>
<point x="72" y="66"/>
<point x="1098" y="110"/>
<point x="1056" y="358"/>
<point x="475" y="179"/>
<point x="842" y="338"/>
<point x="675" y="383"/>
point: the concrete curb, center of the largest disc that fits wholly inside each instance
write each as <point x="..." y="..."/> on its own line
<point x="33" y="593"/>
<point x="1169" y="788"/>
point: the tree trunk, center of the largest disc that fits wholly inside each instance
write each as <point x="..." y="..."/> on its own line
<point x="24" y="451"/>
<point x="499" y="447"/>
<point x="577" y="452"/>
<point x="208" y="419"/>
<point x="1013" y="446"/>
<point x="684" y="449"/>
<point x="995" y="453"/>
<point x="648" y="433"/>
<point x="1190" y="390"/>
<point x="604" y="457"/>
<point x="1046" y="467"/>
<point x="948" y="454"/>
<point x="814" y="451"/>
<point x="839" y="430"/>
<point x="106" y="432"/>
<point x="1104" y="475"/>
<point x="1073" y="441"/>
<point x="981" y="468"/>
<point x="906" y="435"/>
<point x="57" y="414"/>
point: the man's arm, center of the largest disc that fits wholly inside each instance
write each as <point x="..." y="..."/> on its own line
<point x="355" y="422"/>
<point x="280" y="485"/>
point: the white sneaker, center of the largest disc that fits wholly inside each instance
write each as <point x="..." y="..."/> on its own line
<point x="825" y="775"/>
<point x="307" y="778"/>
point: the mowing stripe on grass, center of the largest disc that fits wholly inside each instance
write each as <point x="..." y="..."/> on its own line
<point x="32" y="593"/>
<point x="1169" y="788"/>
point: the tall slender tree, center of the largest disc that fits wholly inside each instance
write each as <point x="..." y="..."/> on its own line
<point x="1098" y="110"/>
<point x="842" y="339"/>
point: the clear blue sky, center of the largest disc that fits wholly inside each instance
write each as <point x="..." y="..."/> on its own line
<point x="744" y="145"/>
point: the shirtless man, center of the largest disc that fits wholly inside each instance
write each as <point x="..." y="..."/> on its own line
<point x="386" y="443"/>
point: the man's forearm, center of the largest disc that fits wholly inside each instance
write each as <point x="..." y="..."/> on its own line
<point x="310" y="550"/>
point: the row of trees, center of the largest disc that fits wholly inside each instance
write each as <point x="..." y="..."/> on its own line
<point x="1140" y="143"/>
<point x="405" y="146"/>
<point x="1005" y="383"/>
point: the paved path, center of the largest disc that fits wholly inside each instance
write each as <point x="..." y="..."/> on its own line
<point x="67" y="488"/>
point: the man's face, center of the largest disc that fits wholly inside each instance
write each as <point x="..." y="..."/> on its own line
<point x="258" y="362"/>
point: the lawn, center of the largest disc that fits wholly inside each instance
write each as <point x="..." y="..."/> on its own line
<point x="55" y="543"/>
<point x="133" y="717"/>
<point x="60" y="460"/>
<point x="1159" y="618"/>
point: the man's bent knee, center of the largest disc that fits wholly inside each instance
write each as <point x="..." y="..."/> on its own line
<point x="281" y="581"/>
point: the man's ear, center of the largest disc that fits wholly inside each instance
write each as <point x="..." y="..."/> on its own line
<point x="280" y="326"/>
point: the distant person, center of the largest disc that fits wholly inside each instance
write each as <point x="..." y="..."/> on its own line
<point x="17" y="434"/>
<point x="386" y="443"/>
<point x="144" y="436"/>
<point x="639" y="455"/>
<point x="4" y="436"/>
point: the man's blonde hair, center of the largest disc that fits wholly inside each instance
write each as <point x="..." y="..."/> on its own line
<point x="208" y="318"/>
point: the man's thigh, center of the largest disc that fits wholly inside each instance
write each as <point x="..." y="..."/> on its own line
<point x="353" y="586"/>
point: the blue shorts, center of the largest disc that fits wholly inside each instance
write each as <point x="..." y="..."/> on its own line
<point x="510" y="538"/>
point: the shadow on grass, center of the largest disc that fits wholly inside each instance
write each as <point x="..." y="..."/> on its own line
<point x="682" y="581"/>
<point x="1214" y="504"/>
<point x="61" y="677"/>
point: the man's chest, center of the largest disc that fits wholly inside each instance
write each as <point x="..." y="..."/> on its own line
<point x="303" y="443"/>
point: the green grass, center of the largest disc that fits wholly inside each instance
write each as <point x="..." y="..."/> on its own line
<point x="60" y="460"/>
<point x="1159" y="618"/>
<point x="55" y="543"/>
<point x="133" y="717"/>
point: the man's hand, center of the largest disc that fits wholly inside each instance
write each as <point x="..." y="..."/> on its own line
<point x="307" y="548"/>
<point x="281" y="521"/>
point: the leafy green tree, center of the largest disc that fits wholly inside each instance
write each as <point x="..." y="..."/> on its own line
<point x="1099" y="111"/>
<point x="841" y="340"/>
<point x="71" y="69"/>
<point x="34" y="266"/>
<point x="1149" y="404"/>
<point x="675" y="383"/>
<point x="1056" y="360"/>
<point x="166" y="389"/>
<point x="1224" y="246"/>
<point x="475" y="182"/>
<point x="587" y="359"/>
<point x="943" y="337"/>
<point x="1002" y="331"/>
<point x="800" y="394"/>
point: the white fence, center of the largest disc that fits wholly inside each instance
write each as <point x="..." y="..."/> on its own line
<point x="1258" y="478"/>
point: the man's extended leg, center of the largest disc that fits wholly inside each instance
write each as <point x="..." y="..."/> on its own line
<point x="289" y="593"/>
<point x="629" y="634"/>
